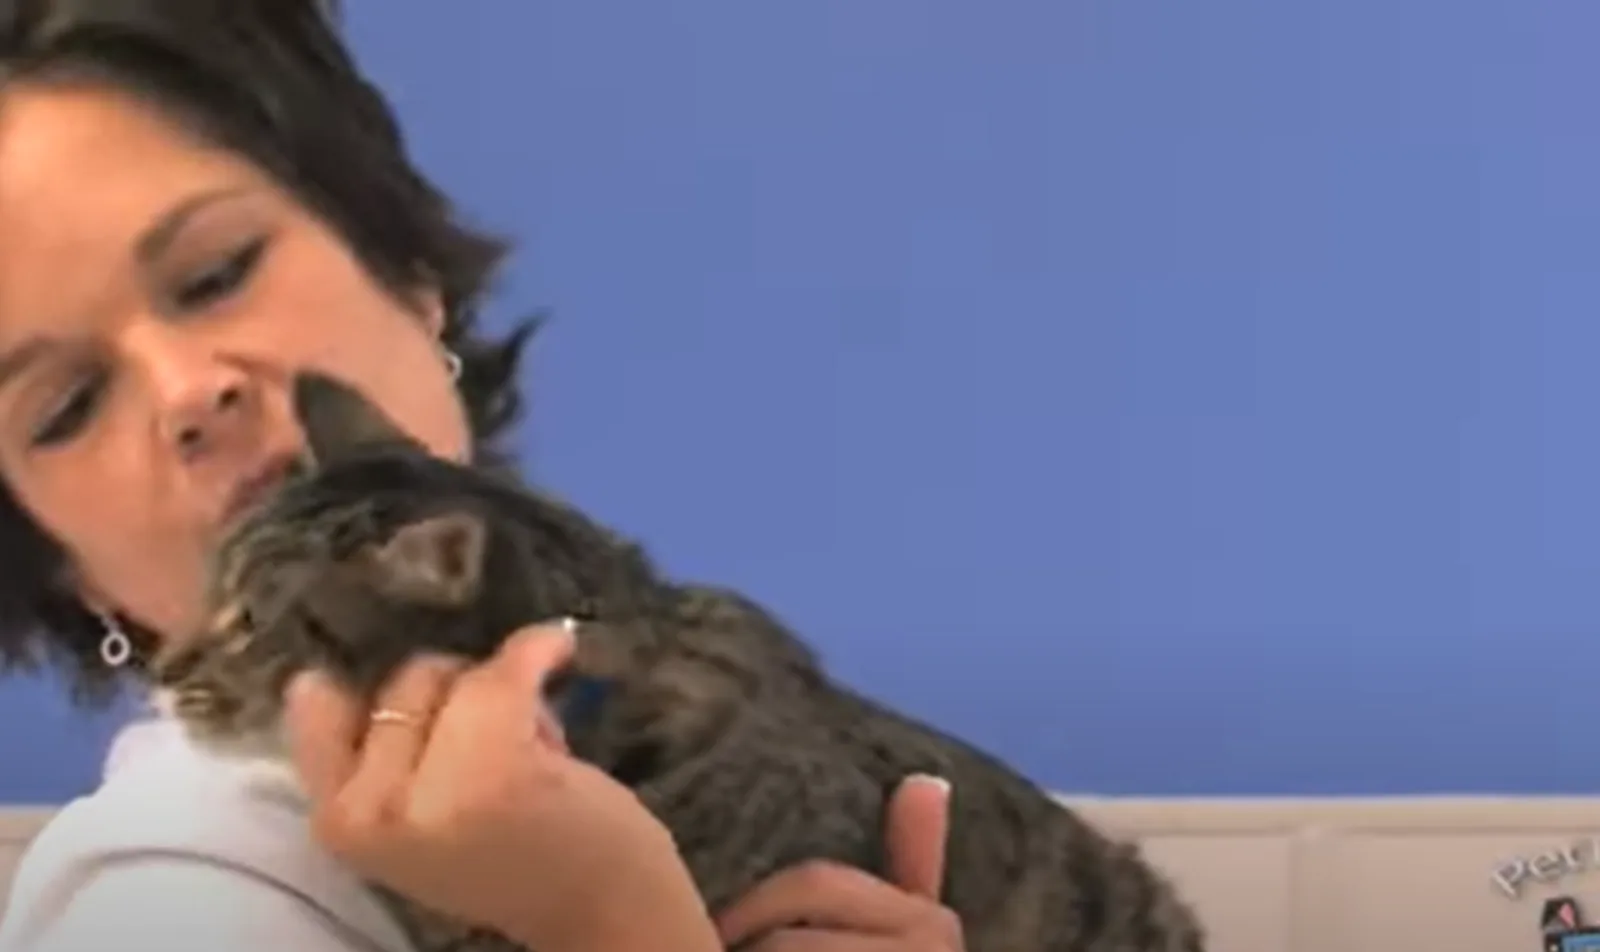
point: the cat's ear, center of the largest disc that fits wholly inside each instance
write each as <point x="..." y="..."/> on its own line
<point x="438" y="561"/>
<point x="337" y="420"/>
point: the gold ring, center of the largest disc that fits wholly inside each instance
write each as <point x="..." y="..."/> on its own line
<point x="385" y="715"/>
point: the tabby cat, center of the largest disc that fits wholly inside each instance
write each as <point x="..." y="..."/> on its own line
<point x="721" y="720"/>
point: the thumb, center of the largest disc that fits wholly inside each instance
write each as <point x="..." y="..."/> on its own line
<point x="918" y="826"/>
<point x="532" y="655"/>
<point x="323" y="724"/>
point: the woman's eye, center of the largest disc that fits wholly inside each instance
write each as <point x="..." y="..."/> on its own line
<point x="218" y="282"/>
<point x="69" y="417"/>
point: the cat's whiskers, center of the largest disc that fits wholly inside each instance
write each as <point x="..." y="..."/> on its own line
<point x="229" y="616"/>
<point x="195" y="703"/>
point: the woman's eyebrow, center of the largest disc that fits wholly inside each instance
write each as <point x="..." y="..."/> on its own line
<point x="159" y="237"/>
<point x="151" y="245"/>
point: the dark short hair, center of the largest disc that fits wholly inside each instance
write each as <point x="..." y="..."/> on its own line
<point x="272" y="81"/>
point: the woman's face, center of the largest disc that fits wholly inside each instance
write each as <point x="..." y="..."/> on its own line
<point x="156" y="297"/>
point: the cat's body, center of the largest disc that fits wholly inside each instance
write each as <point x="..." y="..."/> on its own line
<point x="717" y="716"/>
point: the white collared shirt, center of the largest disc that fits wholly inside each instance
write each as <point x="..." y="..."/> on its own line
<point x="181" y="850"/>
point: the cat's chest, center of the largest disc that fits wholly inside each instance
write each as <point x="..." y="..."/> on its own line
<point x="264" y="739"/>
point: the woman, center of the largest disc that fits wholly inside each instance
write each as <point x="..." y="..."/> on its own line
<point x="197" y="200"/>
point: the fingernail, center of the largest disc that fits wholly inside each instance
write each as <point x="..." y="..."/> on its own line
<point x="930" y="780"/>
<point x="561" y="629"/>
<point x="568" y="626"/>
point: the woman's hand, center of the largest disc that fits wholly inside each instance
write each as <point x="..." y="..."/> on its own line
<point x="457" y="792"/>
<point x="823" y="907"/>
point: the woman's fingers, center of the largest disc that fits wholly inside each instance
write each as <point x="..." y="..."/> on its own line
<point x="324" y="725"/>
<point x="398" y="727"/>
<point x="533" y="654"/>
<point x="823" y="896"/>
<point x="823" y="899"/>
<point x="551" y="733"/>
<point x="366" y="766"/>
<point x="918" y="825"/>
<point x="825" y="940"/>
<point x="507" y="691"/>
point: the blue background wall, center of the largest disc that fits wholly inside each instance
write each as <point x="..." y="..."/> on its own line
<point x="1174" y="397"/>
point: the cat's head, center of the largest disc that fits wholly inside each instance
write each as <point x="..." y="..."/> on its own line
<point x="377" y="550"/>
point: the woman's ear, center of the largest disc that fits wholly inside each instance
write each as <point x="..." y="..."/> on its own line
<point x="427" y="300"/>
<point x="69" y="581"/>
<point x="88" y="594"/>
<point x="94" y="603"/>
<point x="433" y="313"/>
<point x="74" y="583"/>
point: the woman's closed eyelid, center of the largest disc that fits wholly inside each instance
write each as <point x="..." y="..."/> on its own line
<point x="67" y="415"/>
<point x="220" y="276"/>
<point x="73" y="403"/>
<point x="61" y="398"/>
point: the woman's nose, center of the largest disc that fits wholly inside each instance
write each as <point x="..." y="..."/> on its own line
<point x="205" y="412"/>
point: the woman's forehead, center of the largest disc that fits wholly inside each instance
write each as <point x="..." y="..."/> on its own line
<point x="88" y="153"/>
<point x="87" y="177"/>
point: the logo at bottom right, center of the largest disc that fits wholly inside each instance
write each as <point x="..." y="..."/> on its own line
<point x="1564" y="929"/>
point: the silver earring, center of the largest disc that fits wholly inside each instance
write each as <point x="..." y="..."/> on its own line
<point x="452" y="364"/>
<point x="116" y="648"/>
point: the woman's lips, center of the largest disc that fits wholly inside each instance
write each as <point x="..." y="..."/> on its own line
<point x="259" y="484"/>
